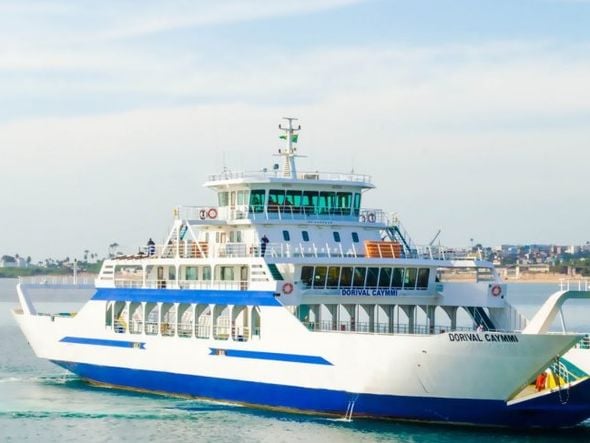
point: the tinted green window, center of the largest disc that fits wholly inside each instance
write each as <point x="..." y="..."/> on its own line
<point x="346" y="277"/>
<point x="356" y="204"/>
<point x="344" y="202"/>
<point x="372" y="277"/>
<point x="293" y="201"/>
<point x="276" y="198"/>
<point x="206" y="272"/>
<point x="410" y="278"/>
<point x="358" y="279"/>
<point x="319" y="278"/>
<point x="325" y="203"/>
<point x="333" y="277"/>
<point x="306" y="276"/>
<point x="423" y="274"/>
<point x="257" y="200"/>
<point x="398" y="278"/>
<point x="385" y="278"/>
<point x="309" y="202"/>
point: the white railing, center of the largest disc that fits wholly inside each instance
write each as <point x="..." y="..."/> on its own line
<point x="302" y="175"/>
<point x="574" y="285"/>
<point x="66" y="280"/>
<point x="379" y="328"/>
<point x="190" y="249"/>
<point x="182" y="284"/>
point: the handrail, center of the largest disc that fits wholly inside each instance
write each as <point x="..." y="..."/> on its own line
<point x="190" y="249"/>
<point x="574" y="284"/>
<point x="182" y="284"/>
<point x="301" y="175"/>
<point x="385" y="329"/>
<point x="64" y="280"/>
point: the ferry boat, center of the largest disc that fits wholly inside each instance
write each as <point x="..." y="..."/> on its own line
<point x="288" y="294"/>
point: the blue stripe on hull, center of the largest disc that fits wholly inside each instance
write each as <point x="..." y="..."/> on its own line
<point x="258" y="355"/>
<point x="103" y="342"/>
<point x="206" y="296"/>
<point x="543" y="412"/>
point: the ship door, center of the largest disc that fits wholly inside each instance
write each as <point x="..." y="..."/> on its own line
<point x="244" y="278"/>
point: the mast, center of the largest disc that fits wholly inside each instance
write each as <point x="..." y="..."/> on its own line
<point x="289" y="170"/>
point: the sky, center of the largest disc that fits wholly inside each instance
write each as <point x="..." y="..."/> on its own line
<point x="471" y="116"/>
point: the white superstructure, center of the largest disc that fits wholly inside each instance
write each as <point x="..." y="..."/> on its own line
<point x="288" y="293"/>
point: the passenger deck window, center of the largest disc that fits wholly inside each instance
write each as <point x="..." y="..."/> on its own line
<point x="286" y="236"/>
<point x="336" y="236"/>
<point x="398" y="278"/>
<point x="319" y="277"/>
<point x="385" y="278"/>
<point x="372" y="277"/>
<point x="346" y="277"/>
<point x="305" y="235"/>
<point x="423" y="274"/>
<point x="355" y="237"/>
<point x="333" y="277"/>
<point x="306" y="276"/>
<point x="358" y="279"/>
<point x="410" y="278"/>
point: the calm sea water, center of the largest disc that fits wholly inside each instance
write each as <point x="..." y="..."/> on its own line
<point x="41" y="402"/>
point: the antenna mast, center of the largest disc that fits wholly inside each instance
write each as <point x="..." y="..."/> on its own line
<point x="289" y="154"/>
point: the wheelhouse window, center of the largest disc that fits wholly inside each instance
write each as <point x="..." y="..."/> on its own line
<point x="257" y="200"/>
<point x="356" y="204"/>
<point x="276" y="199"/>
<point x="310" y="201"/>
<point x="223" y="198"/>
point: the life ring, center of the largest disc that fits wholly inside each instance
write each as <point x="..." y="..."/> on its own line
<point x="496" y="290"/>
<point x="287" y="288"/>
<point x="203" y="214"/>
<point x="212" y="213"/>
<point x="371" y="217"/>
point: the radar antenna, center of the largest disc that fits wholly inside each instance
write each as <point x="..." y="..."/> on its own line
<point x="289" y="153"/>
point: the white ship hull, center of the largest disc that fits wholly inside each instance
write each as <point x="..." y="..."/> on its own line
<point x="453" y="377"/>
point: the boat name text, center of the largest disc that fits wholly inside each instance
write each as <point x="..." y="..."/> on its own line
<point x="473" y="337"/>
<point x="375" y="292"/>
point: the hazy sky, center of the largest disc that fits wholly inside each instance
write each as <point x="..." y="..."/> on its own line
<point x="471" y="116"/>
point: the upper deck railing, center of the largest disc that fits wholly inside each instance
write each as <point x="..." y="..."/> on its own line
<point x="308" y="175"/>
<point x="208" y="214"/>
<point x="190" y="249"/>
